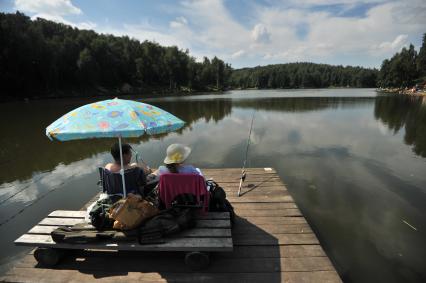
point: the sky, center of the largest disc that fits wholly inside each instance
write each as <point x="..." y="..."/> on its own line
<point x="251" y="32"/>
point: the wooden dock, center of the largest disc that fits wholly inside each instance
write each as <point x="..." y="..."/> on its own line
<point x="272" y="243"/>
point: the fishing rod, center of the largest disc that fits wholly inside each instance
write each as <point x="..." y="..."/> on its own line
<point x="243" y="171"/>
<point x="141" y="160"/>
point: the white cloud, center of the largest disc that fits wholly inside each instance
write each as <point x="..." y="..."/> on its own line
<point x="59" y="19"/>
<point x="238" y="54"/>
<point x="85" y="25"/>
<point x="332" y="2"/>
<point x="395" y="45"/>
<point x="53" y="10"/>
<point x="178" y="22"/>
<point x="260" y="34"/>
<point x="331" y="36"/>
<point x="47" y="7"/>
<point x="277" y="33"/>
<point x="143" y="32"/>
<point x="31" y="189"/>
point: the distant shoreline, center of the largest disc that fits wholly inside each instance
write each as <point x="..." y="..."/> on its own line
<point x="101" y="92"/>
<point x="403" y="91"/>
<point x="105" y="93"/>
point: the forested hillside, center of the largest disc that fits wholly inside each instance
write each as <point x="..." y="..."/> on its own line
<point x="40" y="57"/>
<point x="405" y="68"/>
<point x="303" y="75"/>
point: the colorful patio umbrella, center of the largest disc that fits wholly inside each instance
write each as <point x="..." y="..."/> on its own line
<point x="113" y="118"/>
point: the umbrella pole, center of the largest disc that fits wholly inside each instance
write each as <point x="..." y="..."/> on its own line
<point x="122" y="168"/>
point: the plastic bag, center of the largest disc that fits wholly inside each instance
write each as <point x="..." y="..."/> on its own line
<point x="130" y="212"/>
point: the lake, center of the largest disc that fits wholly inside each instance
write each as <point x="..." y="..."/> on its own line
<point x="354" y="162"/>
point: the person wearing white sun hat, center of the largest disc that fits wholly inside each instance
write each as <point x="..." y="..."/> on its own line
<point x="176" y="155"/>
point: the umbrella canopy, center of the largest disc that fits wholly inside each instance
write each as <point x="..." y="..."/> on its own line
<point x="113" y="118"/>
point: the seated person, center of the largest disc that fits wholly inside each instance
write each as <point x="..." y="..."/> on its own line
<point x="127" y="157"/>
<point x="176" y="155"/>
<point x="176" y="189"/>
<point x="135" y="176"/>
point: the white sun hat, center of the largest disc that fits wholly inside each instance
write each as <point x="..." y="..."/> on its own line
<point x="177" y="153"/>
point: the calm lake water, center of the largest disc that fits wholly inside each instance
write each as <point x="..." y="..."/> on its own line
<point x="354" y="162"/>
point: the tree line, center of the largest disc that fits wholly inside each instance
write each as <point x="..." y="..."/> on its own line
<point x="405" y="68"/>
<point x="40" y="57"/>
<point x="303" y="75"/>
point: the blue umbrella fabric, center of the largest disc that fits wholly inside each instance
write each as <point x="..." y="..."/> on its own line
<point x="113" y="118"/>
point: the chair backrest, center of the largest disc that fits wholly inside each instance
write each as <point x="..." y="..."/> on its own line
<point x="112" y="183"/>
<point x="174" y="184"/>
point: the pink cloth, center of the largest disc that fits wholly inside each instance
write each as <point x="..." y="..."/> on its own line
<point x="173" y="184"/>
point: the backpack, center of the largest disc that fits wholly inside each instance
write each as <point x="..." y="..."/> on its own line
<point x="218" y="201"/>
<point x="99" y="215"/>
<point x="167" y="222"/>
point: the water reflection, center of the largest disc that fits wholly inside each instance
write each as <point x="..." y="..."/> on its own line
<point x="302" y="104"/>
<point x="25" y="149"/>
<point x="342" y="157"/>
<point x="406" y="112"/>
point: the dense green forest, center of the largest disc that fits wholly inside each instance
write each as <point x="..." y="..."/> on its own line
<point x="303" y="75"/>
<point x="405" y="68"/>
<point x="41" y="57"/>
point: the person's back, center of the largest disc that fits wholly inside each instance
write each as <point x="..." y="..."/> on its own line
<point x="176" y="155"/>
<point x="183" y="189"/>
<point x="182" y="169"/>
<point x="112" y="183"/>
<point x="174" y="168"/>
<point x="135" y="176"/>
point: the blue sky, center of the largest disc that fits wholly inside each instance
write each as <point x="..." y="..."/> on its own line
<point x="252" y="32"/>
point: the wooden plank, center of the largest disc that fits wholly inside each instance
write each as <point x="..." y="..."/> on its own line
<point x="254" y="186"/>
<point x="264" y="206"/>
<point x="237" y="171"/>
<point x="60" y="221"/>
<point x="249" y="183"/>
<point x="259" y="192"/>
<point x="256" y="179"/>
<point x="195" y="232"/>
<point x="172" y="244"/>
<point x="277" y="239"/>
<point x="272" y="229"/>
<point x="272" y="242"/>
<point x="275" y="251"/>
<point x="277" y="191"/>
<point x="220" y="232"/>
<point x="262" y="220"/>
<point x="44" y="275"/>
<point x="81" y="214"/>
<point x="120" y="262"/>
<point x="208" y="223"/>
<point x="268" y="213"/>
<point x="213" y="224"/>
<point x="238" y="252"/>
<point x="253" y="220"/>
<point x="68" y="214"/>
<point x="45" y="229"/>
<point x="272" y="198"/>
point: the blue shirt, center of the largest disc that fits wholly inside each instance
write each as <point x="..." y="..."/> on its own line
<point x="188" y="169"/>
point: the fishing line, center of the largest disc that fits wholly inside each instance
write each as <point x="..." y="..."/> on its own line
<point x="243" y="172"/>
<point x="34" y="202"/>
<point x="137" y="159"/>
<point x="19" y="191"/>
